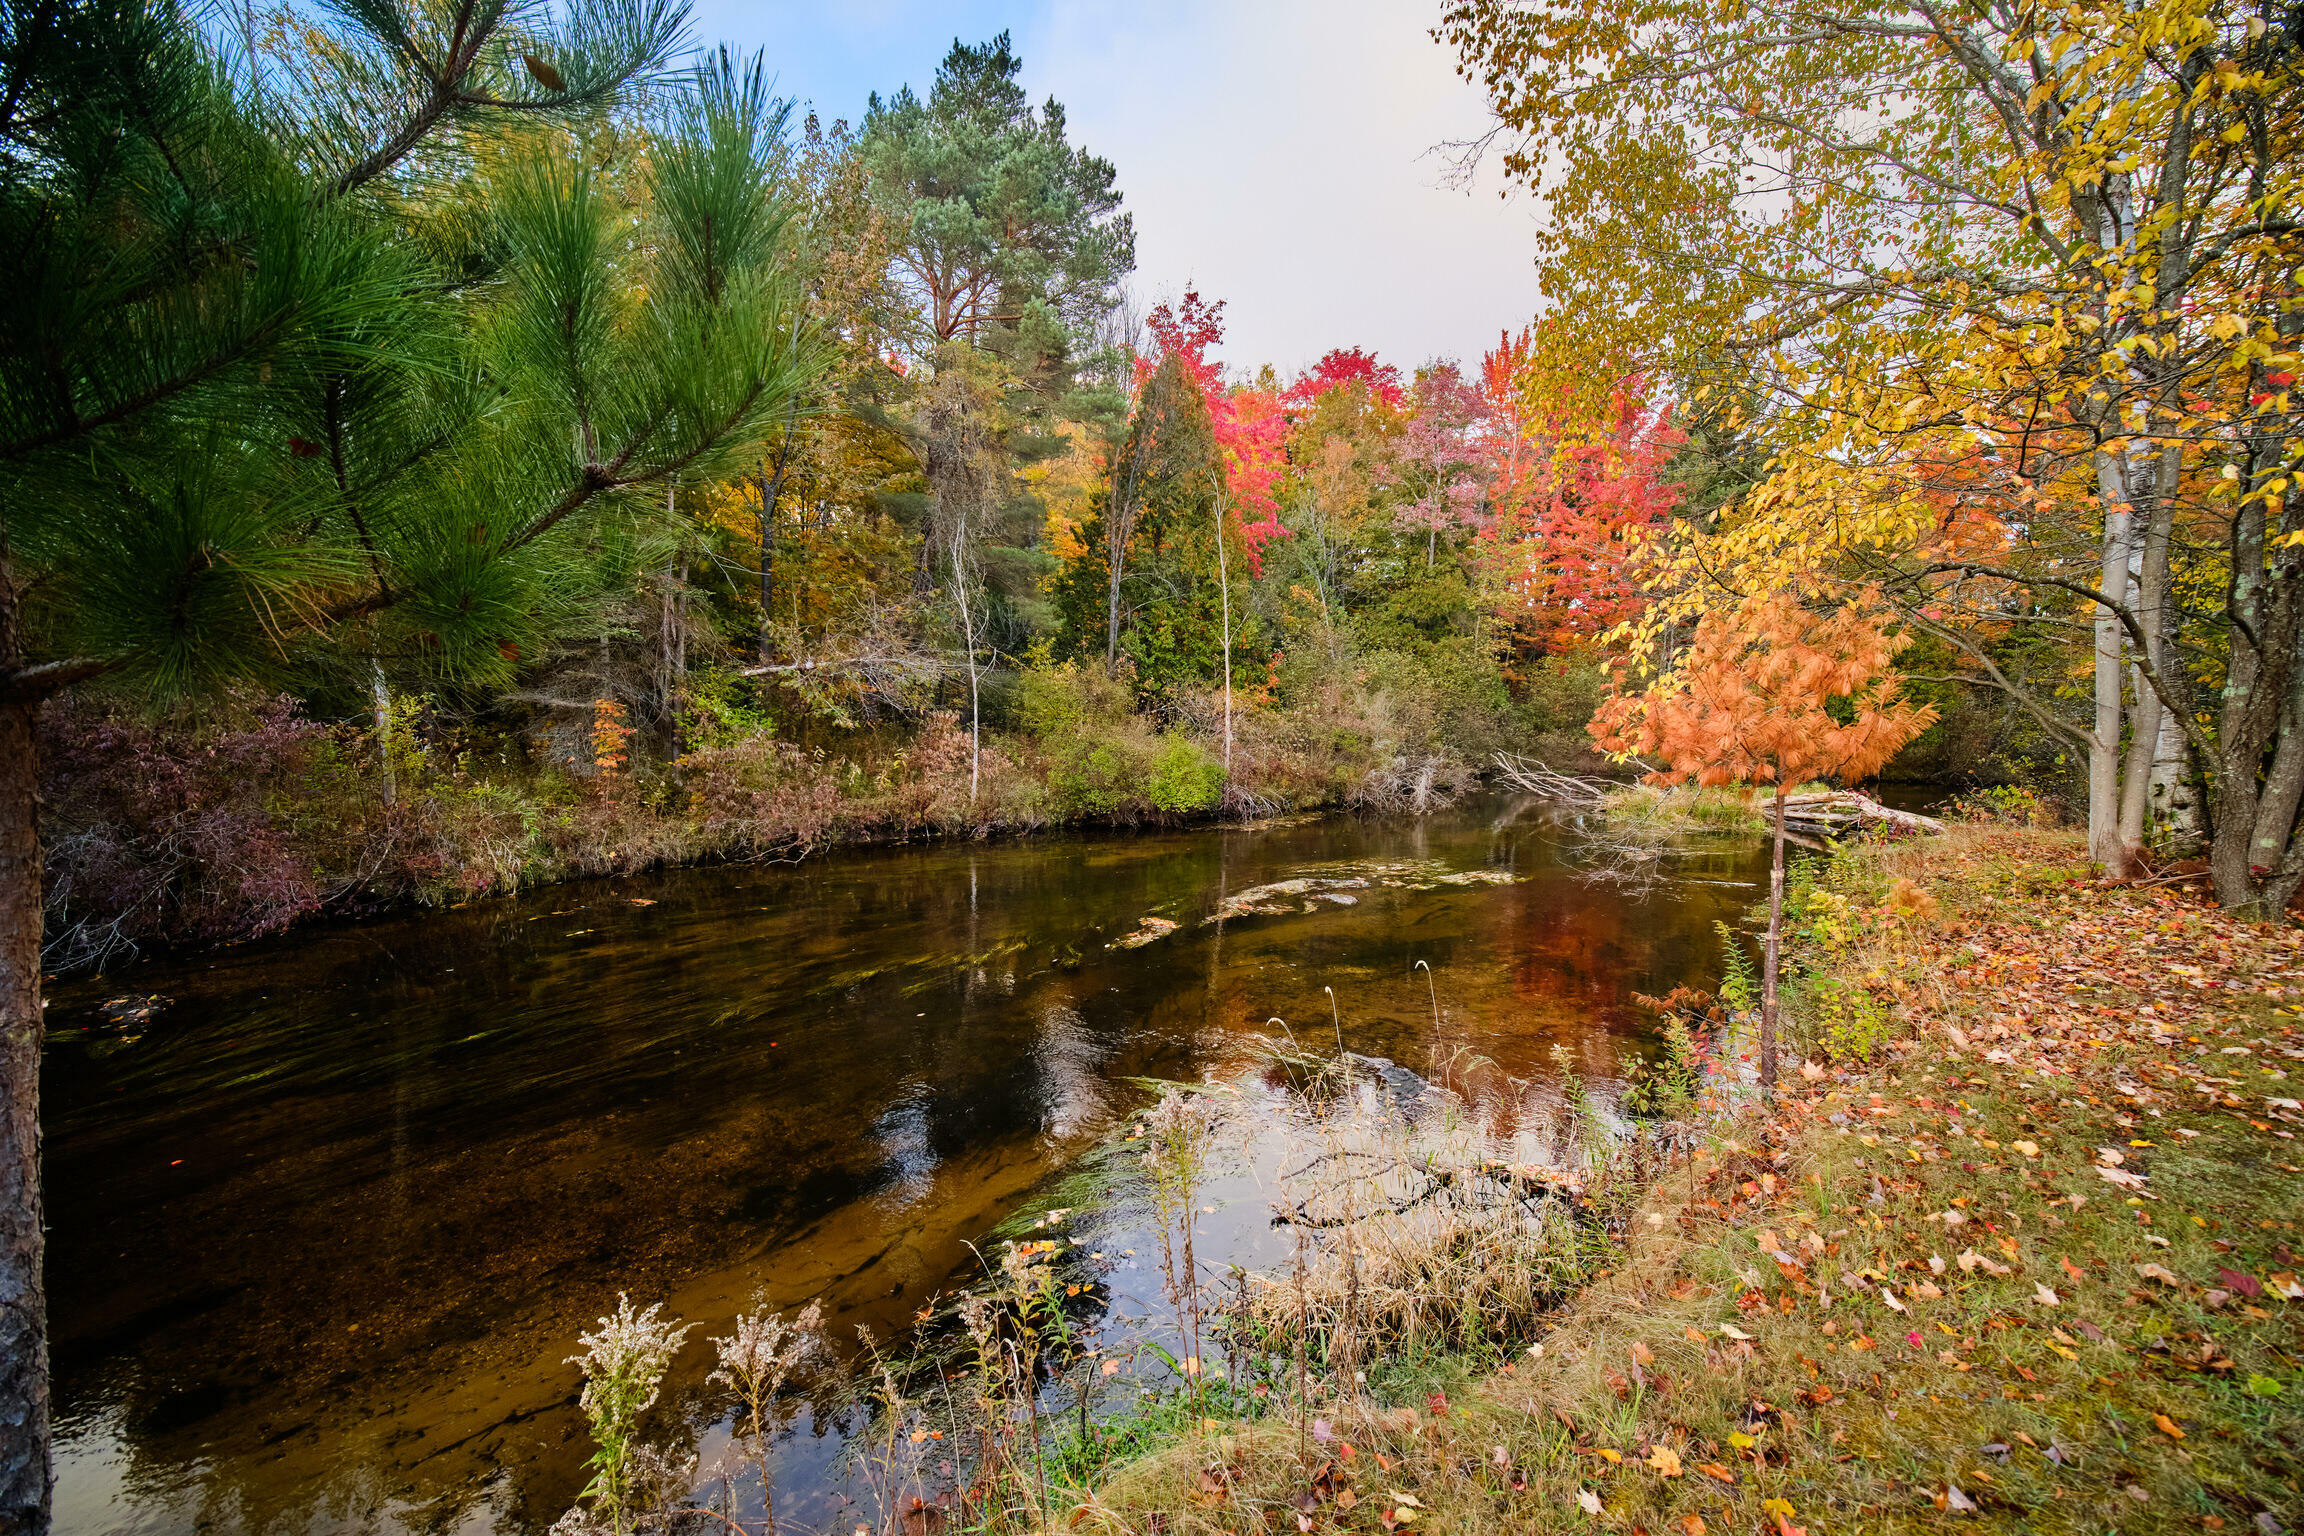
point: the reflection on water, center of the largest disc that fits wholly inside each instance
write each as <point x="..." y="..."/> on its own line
<point x="324" y="1236"/>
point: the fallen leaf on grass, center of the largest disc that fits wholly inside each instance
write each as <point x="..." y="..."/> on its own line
<point x="1887" y="1296"/>
<point x="1588" y="1500"/>
<point x="2043" y="1295"/>
<point x="1734" y="1332"/>
<point x="2159" y="1273"/>
<point x="1955" y="1501"/>
<point x="1665" y="1460"/>
<point x="2167" y="1426"/>
<point x="1717" y="1472"/>
<point x="2246" y="1285"/>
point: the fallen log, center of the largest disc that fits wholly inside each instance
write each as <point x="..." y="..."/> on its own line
<point x="1832" y="813"/>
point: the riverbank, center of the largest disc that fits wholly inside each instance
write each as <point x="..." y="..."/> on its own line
<point x="257" y="818"/>
<point x="2035" y="1265"/>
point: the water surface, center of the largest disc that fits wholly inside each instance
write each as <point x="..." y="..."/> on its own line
<point x="325" y="1229"/>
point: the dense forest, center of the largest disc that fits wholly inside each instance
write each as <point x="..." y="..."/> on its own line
<point x="959" y="539"/>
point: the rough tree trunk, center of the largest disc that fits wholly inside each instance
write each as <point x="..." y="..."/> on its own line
<point x="24" y="1481"/>
<point x="1768" y="966"/>
<point x="2175" y="801"/>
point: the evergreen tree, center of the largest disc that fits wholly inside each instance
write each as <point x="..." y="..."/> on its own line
<point x="1006" y="225"/>
<point x="273" y="398"/>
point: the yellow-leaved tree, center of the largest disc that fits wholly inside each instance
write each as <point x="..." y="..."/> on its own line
<point x="2036" y="259"/>
<point x="1752" y="705"/>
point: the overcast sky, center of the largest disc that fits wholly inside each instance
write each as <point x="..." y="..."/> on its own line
<point x="1274" y="152"/>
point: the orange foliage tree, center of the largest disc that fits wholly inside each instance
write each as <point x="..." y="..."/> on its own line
<point x="1749" y="704"/>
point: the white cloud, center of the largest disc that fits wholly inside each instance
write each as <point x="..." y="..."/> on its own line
<point x="1277" y="154"/>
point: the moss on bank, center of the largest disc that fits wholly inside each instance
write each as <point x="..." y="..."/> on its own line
<point x="2032" y="1267"/>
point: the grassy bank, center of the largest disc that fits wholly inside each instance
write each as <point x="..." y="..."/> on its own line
<point x="2032" y="1265"/>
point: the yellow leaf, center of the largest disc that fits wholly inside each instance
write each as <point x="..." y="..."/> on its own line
<point x="2167" y="1426"/>
<point x="1665" y="1460"/>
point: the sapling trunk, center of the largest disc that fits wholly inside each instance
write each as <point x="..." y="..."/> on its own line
<point x="380" y="693"/>
<point x="1768" y="958"/>
<point x="1224" y="581"/>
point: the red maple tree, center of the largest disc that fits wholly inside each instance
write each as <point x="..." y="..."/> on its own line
<point x="1342" y="366"/>
<point x="1586" y="496"/>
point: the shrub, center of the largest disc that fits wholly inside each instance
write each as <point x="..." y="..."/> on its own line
<point x="2015" y="804"/>
<point x="154" y="833"/>
<point x="1184" y="777"/>
<point x="761" y="797"/>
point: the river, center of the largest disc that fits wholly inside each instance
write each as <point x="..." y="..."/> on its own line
<point x="324" y="1228"/>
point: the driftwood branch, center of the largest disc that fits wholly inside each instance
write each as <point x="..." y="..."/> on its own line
<point x="1538" y="778"/>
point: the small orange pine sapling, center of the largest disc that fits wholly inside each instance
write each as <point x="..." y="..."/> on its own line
<point x="1749" y="705"/>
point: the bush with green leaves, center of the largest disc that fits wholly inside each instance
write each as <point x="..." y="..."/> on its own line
<point x="1185" y="777"/>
